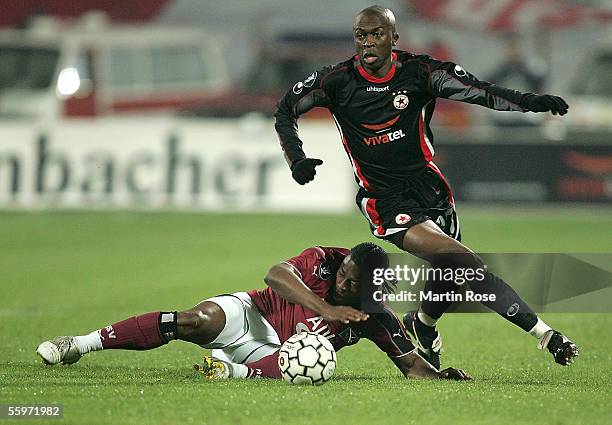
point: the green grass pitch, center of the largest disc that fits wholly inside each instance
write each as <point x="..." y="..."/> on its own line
<point x="72" y="272"/>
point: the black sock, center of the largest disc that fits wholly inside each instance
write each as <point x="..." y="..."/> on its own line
<point x="435" y="309"/>
<point x="438" y="285"/>
<point x="507" y="302"/>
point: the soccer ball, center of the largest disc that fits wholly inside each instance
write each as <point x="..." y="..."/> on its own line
<point x="307" y="358"/>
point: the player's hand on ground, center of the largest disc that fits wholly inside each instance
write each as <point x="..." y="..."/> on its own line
<point x="344" y="314"/>
<point x="454" y="374"/>
<point x="544" y="103"/>
<point x="303" y="170"/>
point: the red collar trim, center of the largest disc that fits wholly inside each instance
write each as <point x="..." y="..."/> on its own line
<point x="373" y="79"/>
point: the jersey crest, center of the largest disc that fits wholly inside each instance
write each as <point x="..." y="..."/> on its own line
<point x="400" y="100"/>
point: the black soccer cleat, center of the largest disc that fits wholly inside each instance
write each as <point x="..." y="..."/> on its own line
<point x="563" y="350"/>
<point x="427" y="340"/>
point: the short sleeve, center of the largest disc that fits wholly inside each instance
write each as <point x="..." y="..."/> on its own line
<point x="307" y="262"/>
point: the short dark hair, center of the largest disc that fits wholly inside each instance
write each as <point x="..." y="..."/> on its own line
<point x="380" y="11"/>
<point x="368" y="256"/>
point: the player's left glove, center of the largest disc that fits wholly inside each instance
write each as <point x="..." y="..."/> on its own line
<point x="544" y="103"/>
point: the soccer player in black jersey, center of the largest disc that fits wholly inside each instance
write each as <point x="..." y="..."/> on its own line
<point x="382" y="101"/>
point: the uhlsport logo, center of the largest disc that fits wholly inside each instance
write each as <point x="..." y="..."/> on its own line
<point x="384" y="138"/>
<point x="378" y="89"/>
<point x="400" y="101"/>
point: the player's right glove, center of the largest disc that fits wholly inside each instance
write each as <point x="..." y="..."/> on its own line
<point x="454" y="374"/>
<point x="303" y="170"/>
<point x="544" y="103"/>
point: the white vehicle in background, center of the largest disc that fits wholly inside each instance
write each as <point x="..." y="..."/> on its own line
<point x="90" y="68"/>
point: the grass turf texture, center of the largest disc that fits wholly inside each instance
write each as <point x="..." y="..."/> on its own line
<point x="72" y="272"/>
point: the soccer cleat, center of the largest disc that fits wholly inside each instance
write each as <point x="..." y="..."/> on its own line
<point x="427" y="340"/>
<point x="59" y="350"/>
<point x="213" y="368"/>
<point x="563" y="350"/>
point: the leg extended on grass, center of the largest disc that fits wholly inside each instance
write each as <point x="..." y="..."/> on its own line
<point x="199" y="325"/>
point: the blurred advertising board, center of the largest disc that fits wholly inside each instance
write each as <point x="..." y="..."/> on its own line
<point x="237" y="165"/>
<point x="209" y="165"/>
<point x="552" y="172"/>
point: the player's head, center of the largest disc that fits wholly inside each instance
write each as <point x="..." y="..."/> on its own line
<point x="374" y="34"/>
<point x="355" y="272"/>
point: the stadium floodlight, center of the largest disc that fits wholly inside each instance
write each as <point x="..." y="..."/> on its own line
<point x="68" y="82"/>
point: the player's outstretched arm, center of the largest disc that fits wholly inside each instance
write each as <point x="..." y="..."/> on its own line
<point x="414" y="366"/>
<point x="283" y="279"/>
<point x="450" y="81"/>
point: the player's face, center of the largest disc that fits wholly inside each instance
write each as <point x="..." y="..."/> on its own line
<point x="347" y="283"/>
<point x="374" y="39"/>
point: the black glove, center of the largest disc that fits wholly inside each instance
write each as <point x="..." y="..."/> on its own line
<point x="454" y="374"/>
<point x="303" y="170"/>
<point x="544" y="103"/>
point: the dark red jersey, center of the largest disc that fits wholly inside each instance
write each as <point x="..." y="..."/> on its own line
<point x="317" y="267"/>
<point x="384" y="122"/>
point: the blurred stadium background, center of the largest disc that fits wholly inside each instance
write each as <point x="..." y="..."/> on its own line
<point x="168" y="104"/>
<point x="139" y="170"/>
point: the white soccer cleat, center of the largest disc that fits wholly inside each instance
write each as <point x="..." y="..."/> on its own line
<point x="563" y="350"/>
<point x="59" y="350"/>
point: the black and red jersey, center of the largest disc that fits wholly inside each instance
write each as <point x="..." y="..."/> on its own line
<point x="384" y="122"/>
<point x="317" y="267"/>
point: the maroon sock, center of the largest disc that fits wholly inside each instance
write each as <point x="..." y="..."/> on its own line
<point x="266" y="367"/>
<point x="137" y="333"/>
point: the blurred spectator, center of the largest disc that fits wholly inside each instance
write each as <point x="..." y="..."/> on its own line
<point x="440" y="49"/>
<point x="455" y="116"/>
<point x="516" y="72"/>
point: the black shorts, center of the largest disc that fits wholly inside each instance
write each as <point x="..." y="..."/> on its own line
<point x="426" y="196"/>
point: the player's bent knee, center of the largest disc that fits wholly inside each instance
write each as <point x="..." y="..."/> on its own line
<point x="453" y="253"/>
<point x="201" y="324"/>
<point x="191" y="325"/>
<point x="457" y="260"/>
<point x="426" y="239"/>
<point x="190" y="320"/>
